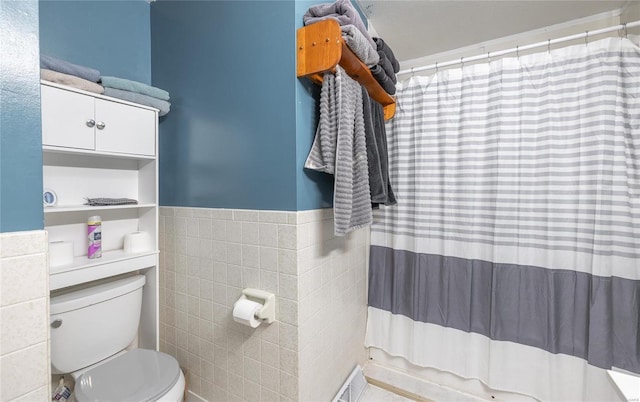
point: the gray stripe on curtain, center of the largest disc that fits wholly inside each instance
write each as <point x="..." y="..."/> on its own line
<point x="487" y="125"/>
<point x="558" y="227"/>
<point x="537" y="183"/>
<point x="499" y="148"/>
<point x="559" y="311"/>
<point x="416" y="207"/>
<point x="569" y="66"/>
<point x="516" y="242"/>
<point x="493" y="111"/>
<point x="560" y="220"/>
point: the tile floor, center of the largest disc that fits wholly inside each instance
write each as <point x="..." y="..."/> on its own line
<point x="376" y="394"/>
<point x="371" y="394"/>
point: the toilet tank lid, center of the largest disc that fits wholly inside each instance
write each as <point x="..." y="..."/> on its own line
<point x="95" y="294"/>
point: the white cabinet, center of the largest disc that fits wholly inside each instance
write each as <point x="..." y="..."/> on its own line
<point x="117" y="161"/>
<point x="74" y="120"/>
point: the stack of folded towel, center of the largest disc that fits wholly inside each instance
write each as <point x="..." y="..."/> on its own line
<point x="137" y="92"/>
<point x="385" y="71"/>
<point x="354" y="32"/>
<point x="341" y="11"/>
<point x="89" y="79"/>
<point x="73" y="75"/>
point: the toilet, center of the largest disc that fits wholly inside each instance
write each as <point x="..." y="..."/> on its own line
<point x="90" y="330"/>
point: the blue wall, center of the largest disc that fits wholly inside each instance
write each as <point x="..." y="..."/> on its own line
<point x="314" y="189"/>
<point x="241" y="124"/>
<point x="20" y="131"/>
<point x="230" y="138"/>
<point x="111" y="36"/>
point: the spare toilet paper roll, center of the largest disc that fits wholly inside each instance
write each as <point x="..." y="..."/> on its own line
<point x="60" y="253"/>
<point x="244" y="312"/>
<point x="137" y="242"/>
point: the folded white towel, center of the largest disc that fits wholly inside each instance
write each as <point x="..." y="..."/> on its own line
<point x="70" y="80"/>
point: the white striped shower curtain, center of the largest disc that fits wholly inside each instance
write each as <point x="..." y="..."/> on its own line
<point x="513" y="255"/>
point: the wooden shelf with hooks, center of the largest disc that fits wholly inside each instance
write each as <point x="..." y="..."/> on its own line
<point x="321" y="48"/>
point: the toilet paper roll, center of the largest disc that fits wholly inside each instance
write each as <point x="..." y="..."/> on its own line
<point x="60" y="253"/>
<point x="137" y="242"/>
<point x="244" y="312"/>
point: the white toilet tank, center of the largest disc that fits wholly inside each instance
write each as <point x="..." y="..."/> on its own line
<point x="91" y="324"/>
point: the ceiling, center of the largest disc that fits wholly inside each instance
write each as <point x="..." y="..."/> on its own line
<point x="417" y="28"/>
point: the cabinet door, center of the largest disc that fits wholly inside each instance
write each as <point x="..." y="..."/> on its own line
<point x="127" y="129"/>
<point x="67" y="118"/>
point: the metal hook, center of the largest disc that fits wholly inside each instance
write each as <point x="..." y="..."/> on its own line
<point x="436" y="66"/>
<point x="461" y="62"/>
<point x="489" y="57"/>
<point x="549" y="46"/>
<point x="518" y="51"/>
<point x="586" y="38"/>
<point x="624" y="27"/>
<point x="412" y="71"/>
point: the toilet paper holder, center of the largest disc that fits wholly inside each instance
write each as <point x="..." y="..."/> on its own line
<point x="268" y="300"/>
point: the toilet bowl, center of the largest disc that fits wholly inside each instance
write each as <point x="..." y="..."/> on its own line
<point x="91" y="329"/>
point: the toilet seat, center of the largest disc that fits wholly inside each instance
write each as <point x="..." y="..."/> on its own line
<point x="139" y="375"/>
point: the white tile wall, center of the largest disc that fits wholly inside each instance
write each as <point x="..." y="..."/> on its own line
<point x="209" y="255"/>
<point x="24" y="317"/>
<point x="332" y="305"/>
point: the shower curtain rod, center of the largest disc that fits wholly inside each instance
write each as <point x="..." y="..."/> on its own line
<point x="517" y="49"/>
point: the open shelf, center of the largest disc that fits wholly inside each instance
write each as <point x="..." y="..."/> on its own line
<point x="83" y="269"/>
<point x="118" y="160"/>
<point x="79" y="151"/>
<point x="321" y="48"/>
<point x="80" y="208"/>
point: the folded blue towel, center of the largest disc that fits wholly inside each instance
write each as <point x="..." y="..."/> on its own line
<point x="135" y="86"/>
<point x="135" y="97"/>
<point x="61" y="66"/>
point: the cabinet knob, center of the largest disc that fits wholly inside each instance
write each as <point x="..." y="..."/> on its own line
<point x="100" y="125"/>
<point x="91" y="123"/>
